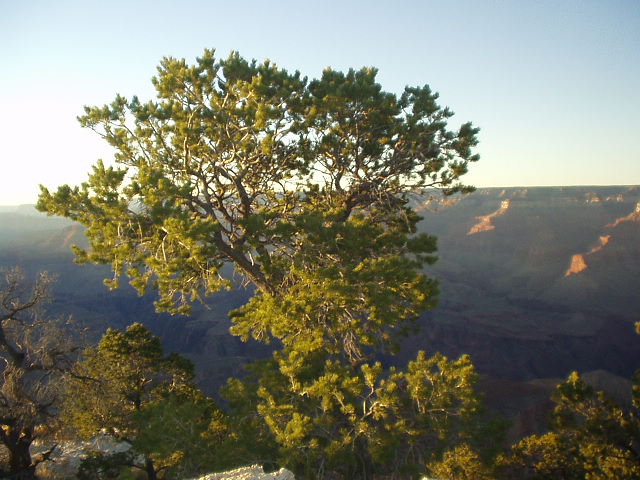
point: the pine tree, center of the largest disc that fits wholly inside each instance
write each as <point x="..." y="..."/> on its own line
<point x="243" y="163"/>
<point x="127" y="388"/>
<point x="304" y="187"/>
<point x="591" y="437"/>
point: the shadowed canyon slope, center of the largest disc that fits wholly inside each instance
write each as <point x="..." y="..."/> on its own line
<point x="535" y="282"/>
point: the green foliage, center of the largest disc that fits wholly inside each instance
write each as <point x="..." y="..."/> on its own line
<point x="591" y="438"/>
<point x="460" y="463"/>
<point x="348" y="289"/>
<point x="244" y="163"/>
<point x="128" y="388"/>
<point x="608" y="435"/>
<point x="331" y="420"/>
<point x="116" y="379"/>
<point x="550" y="456"/>
<point x="187" y="435"/>
<point x="329" y="411"/>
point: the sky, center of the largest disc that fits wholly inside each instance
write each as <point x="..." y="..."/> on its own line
<point x="553" y="85"/>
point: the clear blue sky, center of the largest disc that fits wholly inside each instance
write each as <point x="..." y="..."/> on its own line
<point x="554" y="85"/>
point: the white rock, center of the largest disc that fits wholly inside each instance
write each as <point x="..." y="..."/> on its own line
<point x="67" y="456"/>
<point x="254" y="472"/>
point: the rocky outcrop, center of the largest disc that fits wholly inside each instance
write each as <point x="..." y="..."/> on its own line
<point x="254" y="472"/>
<point x="67" y="456"/>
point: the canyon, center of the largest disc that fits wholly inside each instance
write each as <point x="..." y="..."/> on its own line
<point x="534" y="283"/>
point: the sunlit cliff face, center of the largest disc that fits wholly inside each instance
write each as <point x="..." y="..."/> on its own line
<point x="632" y="217"/>
<point x="578" y="263"/>
<point x="484" y="223"/>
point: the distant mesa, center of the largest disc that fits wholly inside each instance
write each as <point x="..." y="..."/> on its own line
<point x="485" y="222"/>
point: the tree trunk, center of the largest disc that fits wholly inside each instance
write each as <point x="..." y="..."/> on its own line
<point x="20" y="465"/>
<point x="150" y="469"/>
<point x="364" y="467"/>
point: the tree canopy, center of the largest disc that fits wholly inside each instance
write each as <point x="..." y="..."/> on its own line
<point x="128" y="388"/>
<point x="123" y="373"/>
<point x="242" y="162"/>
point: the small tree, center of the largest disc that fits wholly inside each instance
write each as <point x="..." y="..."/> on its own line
<point x="460" y="463"/>
<point x="591" y="437"/>
<point x="127" y="387"/>
<point x="325" y="419"/>
<point x="35" y="353"/>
